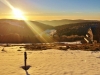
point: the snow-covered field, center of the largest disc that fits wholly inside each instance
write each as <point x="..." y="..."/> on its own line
<point x="49" y="62"/>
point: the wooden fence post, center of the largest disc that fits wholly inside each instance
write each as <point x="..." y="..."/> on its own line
<point x="25" y="58"/>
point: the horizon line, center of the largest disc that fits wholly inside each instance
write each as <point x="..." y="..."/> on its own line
<point x="48" y="20"/>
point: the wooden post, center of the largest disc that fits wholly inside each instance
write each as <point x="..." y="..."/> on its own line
<point x="25" y="58"/>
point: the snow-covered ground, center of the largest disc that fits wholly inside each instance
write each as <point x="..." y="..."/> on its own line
<point x="49" y="62"/>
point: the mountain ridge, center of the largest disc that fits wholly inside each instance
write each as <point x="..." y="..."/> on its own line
<point x="65" y="21"/>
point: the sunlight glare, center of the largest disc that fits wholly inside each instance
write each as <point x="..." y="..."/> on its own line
<point x="18" y="14"/>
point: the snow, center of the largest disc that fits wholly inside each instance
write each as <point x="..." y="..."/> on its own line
<point x="49" y="62"/>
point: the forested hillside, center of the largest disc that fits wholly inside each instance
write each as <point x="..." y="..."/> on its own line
<point x="13" y="31"/>
<point x="79" y="29"/>
<point x="18" y="31"/>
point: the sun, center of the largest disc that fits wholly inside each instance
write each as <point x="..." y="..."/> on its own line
<point x="18" y="14"/>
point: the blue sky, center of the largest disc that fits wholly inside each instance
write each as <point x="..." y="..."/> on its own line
<point x="69" y="5"/>
<point x="55" y="9"/>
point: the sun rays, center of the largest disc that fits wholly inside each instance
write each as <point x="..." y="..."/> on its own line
<point x="18" y="14"/>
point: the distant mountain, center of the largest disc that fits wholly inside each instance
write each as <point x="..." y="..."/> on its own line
<point x="12" y="30"/>
<point x="65" y="21"/>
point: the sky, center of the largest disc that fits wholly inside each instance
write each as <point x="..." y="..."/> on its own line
<point x="52" y="9"/>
